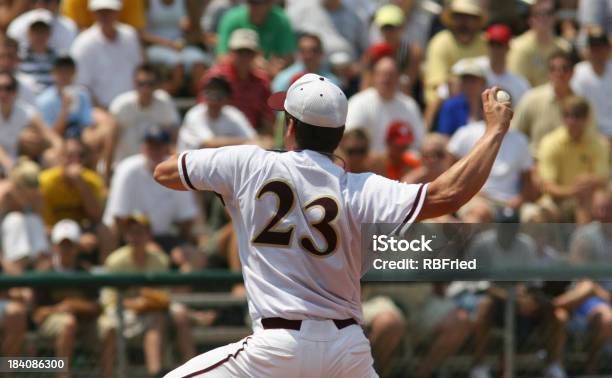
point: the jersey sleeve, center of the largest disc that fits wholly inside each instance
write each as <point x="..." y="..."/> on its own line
<point x="220" y="170"/>
<point x="381" y="200"/>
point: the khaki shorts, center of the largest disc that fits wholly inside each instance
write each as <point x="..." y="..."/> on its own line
<point x="55" y="323"/>
<point x="135" y="325"/>
<point x="378" y="305"/>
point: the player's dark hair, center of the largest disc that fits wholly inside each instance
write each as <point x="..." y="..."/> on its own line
<point x="64" y="61"/>
<point x="315" y="138"/>
<point x="149" y="69"/>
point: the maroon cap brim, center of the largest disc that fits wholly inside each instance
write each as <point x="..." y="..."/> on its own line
<point x="277" y="101"/>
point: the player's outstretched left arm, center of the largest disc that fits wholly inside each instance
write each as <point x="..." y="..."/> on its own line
<point x="465" y="178"/>
<point x="167" y="174"/>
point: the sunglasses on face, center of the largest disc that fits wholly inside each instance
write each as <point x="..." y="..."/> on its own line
<point x="544" y="13"/>
<point x="356" y="151"/>
<point x="565" y="68"/>
<point x="145" y="83"/>
<point x="433" y="154"/>
<point x="574" y="115"/>
<point x="7" y="88"/>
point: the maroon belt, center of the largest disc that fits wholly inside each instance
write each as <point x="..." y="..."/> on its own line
<point x="280" y="323"/>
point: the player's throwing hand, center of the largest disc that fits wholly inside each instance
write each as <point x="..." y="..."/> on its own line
<point x="497" y="114"/>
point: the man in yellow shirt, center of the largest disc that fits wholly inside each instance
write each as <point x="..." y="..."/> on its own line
<point x="463" y="39"/>
<point x="132" y="13"/>
<point x="529" y="52"/>
<point x="71" y="191"/>
<point x="573" y="160"/>
<point x="539" y="111"/>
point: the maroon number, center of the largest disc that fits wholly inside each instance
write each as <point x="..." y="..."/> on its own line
<point x="286" y="199"/>
<point x="330" y="212"/>
<point x="282" y="238"/>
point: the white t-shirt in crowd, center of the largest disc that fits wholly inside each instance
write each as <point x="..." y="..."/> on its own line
<point x="514" y="84"/>
<point x="27" y="88"/>
<point x="198" y="127"/>
<point x="368" y="110"/>
<point x="309" y="263"/>
<point x="63" y="30"/>
<point x="512" y="160"/>
<point x="134" y="120"/>
<point x="10" y="128"/>
<point x="107" y="67"/>
<point x="134" y="190"/>
<point x="598" y="90"/>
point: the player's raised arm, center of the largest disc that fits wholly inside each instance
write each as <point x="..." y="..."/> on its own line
<point x="167" y="174"/>
<point x="465" y="178"/>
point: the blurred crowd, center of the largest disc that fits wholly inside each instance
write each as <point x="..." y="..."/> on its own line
<point x="95" y="93"/>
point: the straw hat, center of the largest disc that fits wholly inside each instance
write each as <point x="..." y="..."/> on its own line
<point x="471" y="7"/>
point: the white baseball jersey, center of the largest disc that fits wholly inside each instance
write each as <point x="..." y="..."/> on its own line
<point x="298" y="220"/>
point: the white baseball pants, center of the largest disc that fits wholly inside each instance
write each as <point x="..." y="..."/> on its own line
<point x="318" y="350"/>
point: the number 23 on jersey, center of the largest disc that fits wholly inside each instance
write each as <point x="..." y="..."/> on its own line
<point x="282" y="238"/>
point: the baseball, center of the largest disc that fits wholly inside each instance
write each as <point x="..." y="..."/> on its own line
<point x="502" y="96"/>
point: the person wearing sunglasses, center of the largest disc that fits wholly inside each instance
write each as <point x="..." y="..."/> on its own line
<point x="137" y="110"/>
<point x="355" y="150"/>
<point x="434" y="160"/>
<point x="539" y="111"/>
<point x="529" y="52"/>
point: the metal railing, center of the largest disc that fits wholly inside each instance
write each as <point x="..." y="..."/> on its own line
<point x="216" y="278"/>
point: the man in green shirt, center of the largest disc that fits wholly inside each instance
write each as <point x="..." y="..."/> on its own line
<point x="276" y="37"/>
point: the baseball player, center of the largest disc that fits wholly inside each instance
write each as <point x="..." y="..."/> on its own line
<point x="297" y="216"/>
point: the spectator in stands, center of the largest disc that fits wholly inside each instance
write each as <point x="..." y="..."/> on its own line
<point x="309" y="60"/>
<point x="506" y="245"/>
<point x="10" y="9"/>
<point x="385" y="326"/>
<point x="9" y="61"/>
<point x="138" y="110"/>
<point x="132" y="13"/>
<point x="530" y="51"/>
<point x="63" y="29"/>
<point x="539" y="111"/>
<point x="509" y="184"/>
<point x="273" y="28"/>
<point x="20" y="125"/>
<point x="13" y="325"/>
<point x="417" y="27"/>
<point x="145" y="309"/>
<point x="398" y="160"/>
<point x="466" y="106"/>
<point x="250" y="85"/>
<point x="498" y="39"/>
<point x="211" y="17"/>
<point x="37" y="59"/>
<point x="434" y="160"/>
<point x="593" y="77"/>
<point x="23" y="235"/>
<point x="463" y="39"/>
<point x="107" y="54"/>
<point x="390" y="20"/>
<point x="133" y="189"/>
<point x="214" y="123"/>
<point x="573" y="160"/>
<point x="71" y="191"/>
<point x="590" y="244"/>
<point x="336" y="23"/>
<point x="64" y="314"/>
<point x="595" y="13"/>
<point x="167" y="21"/>
<point x="65" y="107"/>
<point x="355" y="150"/>
<point x="376" y="108"/>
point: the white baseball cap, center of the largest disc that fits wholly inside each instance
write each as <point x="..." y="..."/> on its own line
<point x="314" y="100"/>
<point x="244" y="39"/>
<point x="41" y="15"/>
<point x="96" y="5"/>
<point x="66" y="229"/>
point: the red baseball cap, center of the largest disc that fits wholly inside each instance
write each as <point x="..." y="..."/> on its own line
<point x="400" y="133"/>
<point x="499" y="33"/>
<point x="380" y="50"/>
